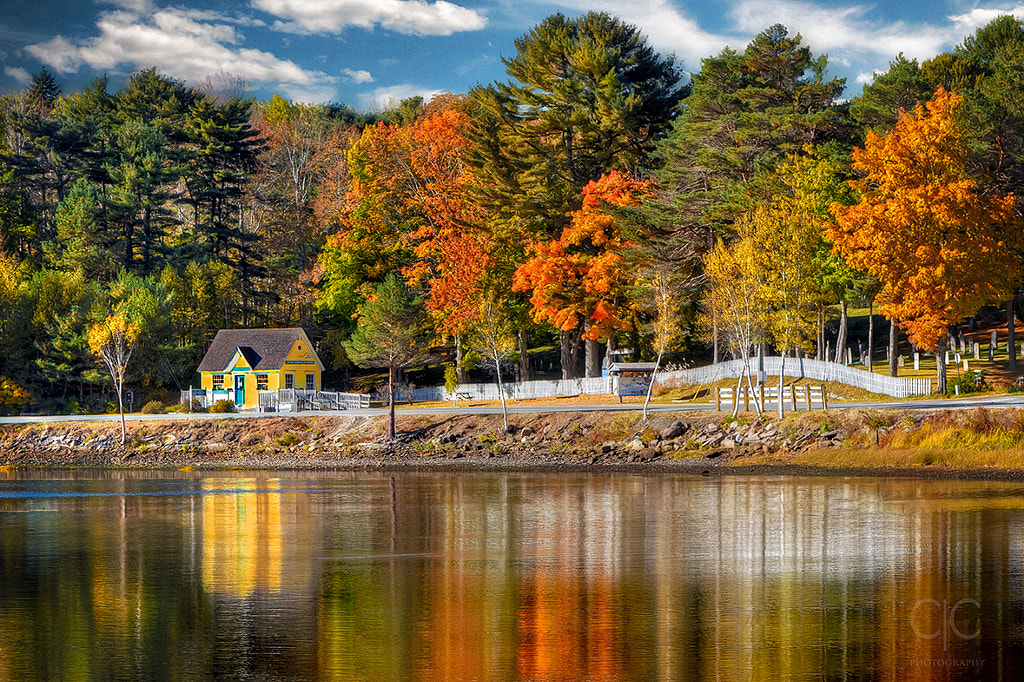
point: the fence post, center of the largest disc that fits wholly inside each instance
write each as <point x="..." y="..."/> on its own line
<point x="760" y="395"/>
<point x="718" y="398"/>
<point x="824" y="399"/>
<point x="792" y="396"/>
<point x="746" y="399"/>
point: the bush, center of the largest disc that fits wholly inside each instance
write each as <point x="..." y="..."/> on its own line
<point x="153" y="407"/>
<point x="287" y="440"/>
<point x="223" y="407"/>
<point x="967" y="384"/>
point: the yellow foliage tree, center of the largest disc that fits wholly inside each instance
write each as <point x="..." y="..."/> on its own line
<point x="940" y="242"/>
<point x="733" y="302"/>
<point x="113" y="341"/>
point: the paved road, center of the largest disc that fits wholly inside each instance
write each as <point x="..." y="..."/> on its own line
<point x="995" y="402"/>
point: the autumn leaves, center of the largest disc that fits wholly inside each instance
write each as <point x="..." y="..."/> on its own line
<point x="940" y="243"/>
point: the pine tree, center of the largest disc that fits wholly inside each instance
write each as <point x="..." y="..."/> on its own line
<point x="390" y="334"/>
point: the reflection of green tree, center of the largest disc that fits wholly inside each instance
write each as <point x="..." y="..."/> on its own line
<point x="95" y="594"/>
<point x="360" y="631"/>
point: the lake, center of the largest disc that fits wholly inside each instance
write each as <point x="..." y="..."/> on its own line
<point x="298" y="575"/>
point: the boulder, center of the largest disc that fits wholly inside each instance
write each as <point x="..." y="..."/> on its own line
<point x="674" y="430"/>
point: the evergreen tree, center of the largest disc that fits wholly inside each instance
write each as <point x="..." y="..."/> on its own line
<point x="585" y="96"/>
<point x="746" y="112"/>
<point x="390" y="334"/>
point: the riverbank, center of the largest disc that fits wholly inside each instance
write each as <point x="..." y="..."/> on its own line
<point x="976" y="444"/>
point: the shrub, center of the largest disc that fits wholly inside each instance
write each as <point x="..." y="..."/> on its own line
<point x="153" y="407"/>
<point x="223" y="407"/>
<point x="286" y="440"/>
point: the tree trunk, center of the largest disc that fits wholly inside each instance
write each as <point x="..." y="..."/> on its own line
<point x="940" y="365"/>
<point x="893" y="347"/>
<point x="782" y="379"/>
<point x="871" y="335"/>
<point x="1011" y="334"/>
<point x="391" y="400"/>
<point x="501" y="389"/>
<point x="714" y="335"/>
<point x="120" y="406"/>
<point x="460" y="355"/>
<point x="841" y="336"/>
<point x="569" y="341"/>
<point x="525" y="369"/>
<point x="593" y="358"/>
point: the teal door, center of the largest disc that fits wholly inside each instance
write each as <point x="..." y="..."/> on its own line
<point x="239" y="389"/>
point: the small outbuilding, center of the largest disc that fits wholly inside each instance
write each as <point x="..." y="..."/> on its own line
<point x="242" y="362"/>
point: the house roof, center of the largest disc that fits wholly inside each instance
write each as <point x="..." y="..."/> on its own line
<point x="263" y="349"/>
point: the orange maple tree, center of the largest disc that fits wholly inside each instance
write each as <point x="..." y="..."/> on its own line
<point x="940" y="244"/>
<point x="452" y="256"/>
<point x="577" y="281"/>
<point x="406" y="210"/>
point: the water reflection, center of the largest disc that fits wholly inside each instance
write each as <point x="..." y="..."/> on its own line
<point x="339" y="576"/>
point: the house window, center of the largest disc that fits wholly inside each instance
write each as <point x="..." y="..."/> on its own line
<point x="218" y="382"/>
<point x="289" y="381"/>
<point x="310" y="382"/>
<point x="262" y="382"/>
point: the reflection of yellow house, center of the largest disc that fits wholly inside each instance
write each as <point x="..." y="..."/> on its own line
<point x="242" y="362"/>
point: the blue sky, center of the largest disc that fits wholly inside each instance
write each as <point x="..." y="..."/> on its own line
<point x="369" y="53"/>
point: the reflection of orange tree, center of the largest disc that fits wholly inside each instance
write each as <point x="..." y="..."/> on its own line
<point x="571" y="626"/>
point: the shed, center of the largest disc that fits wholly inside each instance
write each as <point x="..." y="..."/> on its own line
<point x="242" y="362"/>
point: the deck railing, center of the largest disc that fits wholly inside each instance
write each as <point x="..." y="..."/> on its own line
<point x="284" y="400"/>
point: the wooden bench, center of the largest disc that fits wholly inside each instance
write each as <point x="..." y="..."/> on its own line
<point x="461" y="395"/>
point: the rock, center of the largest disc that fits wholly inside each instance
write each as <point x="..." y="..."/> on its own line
<point x="729" y="443"/>
<point x="676" y="429"/>
<point x="712" y="428"/>
<point x="526" y="432"/>
<point x="606" y="448"/>
<point x="733" y="425"/>
<point x="635" y="445"/>
<point x="713" y="440"/>
<point x="828" y="435"/>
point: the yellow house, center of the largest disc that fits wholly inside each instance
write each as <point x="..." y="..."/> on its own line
<point x="242" y="362"/>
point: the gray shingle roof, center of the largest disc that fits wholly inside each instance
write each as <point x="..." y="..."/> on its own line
<point x="264" y="349"/>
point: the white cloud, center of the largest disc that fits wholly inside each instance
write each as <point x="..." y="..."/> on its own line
<point x="359" y="76"/>
<point x="139" y="6"/>
<point x="668" y="29"/>
<point x="978" y="17"/>
<point x="390" y="96"/>
<point x="19" y="74"/>
<point x="405" y="16"/>
<point x="184" y="44"/>
<point x="850" y="29"/>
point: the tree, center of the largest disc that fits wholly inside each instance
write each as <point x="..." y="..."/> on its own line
<point x="746" y="111"/>
<point x="113" y="341"/>
<point x="493" y="332"/>
<point x="578" y="281"/>
<point x="901" y="88"/>
<point x="940" y="242"/>
<point x="586" y="96"/>
<point x="786" y="238"/>
<point x="390" y="334"/>
<point x="732" y="302"/>
<point x="665" y="325"/>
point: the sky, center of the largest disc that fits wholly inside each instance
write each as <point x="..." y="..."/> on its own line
<point x="370" y="54"/>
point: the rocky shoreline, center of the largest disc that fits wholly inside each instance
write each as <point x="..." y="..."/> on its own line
<point x="707" y="444"/>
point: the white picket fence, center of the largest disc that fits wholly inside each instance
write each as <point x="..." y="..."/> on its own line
<point x="523" y="390"/>
<point x="815" y="370"/>
<point x="793" y="397"/>
<point x="805" y="368"/>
